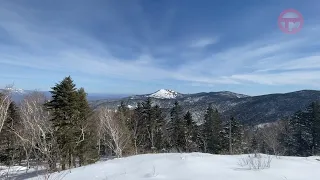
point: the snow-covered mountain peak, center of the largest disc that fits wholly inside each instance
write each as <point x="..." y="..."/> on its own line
<point x="164" y="94"/>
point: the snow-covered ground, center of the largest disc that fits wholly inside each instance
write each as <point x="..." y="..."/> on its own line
<point x="195" y="166"/>
<point x="13" y="170"/>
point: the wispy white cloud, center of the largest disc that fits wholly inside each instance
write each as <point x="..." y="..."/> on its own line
<point x="272" y="60"/>
<point x="262" y="61"/>
<point x="203" y="42"/>
<point x="282" y="78"/>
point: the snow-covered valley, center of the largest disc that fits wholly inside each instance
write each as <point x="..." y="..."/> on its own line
<point x="194" y="166"/>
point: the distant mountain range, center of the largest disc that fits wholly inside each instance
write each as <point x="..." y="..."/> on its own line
<point x="249" y="109"/>
<point x="18" y="94"/>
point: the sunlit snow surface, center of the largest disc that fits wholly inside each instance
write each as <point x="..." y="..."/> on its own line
<point x="195" y="166"/>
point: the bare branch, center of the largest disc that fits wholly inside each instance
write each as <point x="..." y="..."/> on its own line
<point x="113" y="127"/>
<point x="5" y="101"/>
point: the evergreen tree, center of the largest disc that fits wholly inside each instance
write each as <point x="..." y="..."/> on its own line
<point x="125" y="114"/>
<point x="313" y="119"/>
<point x="254" y="145"/>
<point x="137" y="127"/>
<point x="178" y="128"/>
<point x="8" y="140"/>
<point x="85" y="131"/>
<point x="233" y="131"/>
<point x="303" y="137"/>
<point x="147" y="126"/>
<point x="65" y="115"/>
<point x="300" y="140"/>
<point x="150" y="124"/>
<point x="288" y="136"/>
<point x="213" y="130"/>
<point x="160" y="141"/>
<point x="191" y="133"/>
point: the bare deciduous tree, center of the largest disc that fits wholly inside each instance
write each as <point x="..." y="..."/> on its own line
<point x="36" y="131"/>
<point x="118" y="137"/>
<point x="135" y="131"/>
<point x="5" y="101"/>
<point x="270" y="135"/>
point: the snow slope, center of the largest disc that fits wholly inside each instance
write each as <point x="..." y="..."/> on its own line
<point x="164" y="94"/>
<point x="195" y="166"/>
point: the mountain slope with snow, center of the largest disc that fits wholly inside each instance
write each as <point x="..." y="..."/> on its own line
<point x="164" y="94"/>
<point x="14" y="90"/>
<point x="194" y="166"/>
<point x="252" y="110"/>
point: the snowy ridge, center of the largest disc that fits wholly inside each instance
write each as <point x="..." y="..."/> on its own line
<point x="164" y="94"/>
<point x="15" y="90"/>
<point x="232" y="94"/>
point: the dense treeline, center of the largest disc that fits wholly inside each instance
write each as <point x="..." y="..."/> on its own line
<point x="64" y="132"/>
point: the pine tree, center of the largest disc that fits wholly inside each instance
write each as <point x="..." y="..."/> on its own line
<point x="303" y="137"/>
<point x="85" y="131"/>
<point x="137" y="127"/>
<point x="313" y="119"/>
<point x="213" y="130"/>
<point x="300" y="135"/>
<point x="233" y="131"/>
<point x="147" y="126"/>
<point x="64" y="117"/>
<point x="150" y="124"/>
<point x="208" y="130"/>
<point x="191" y="133"/>
<point x="178" y="128"/>
<point x="254" y="144"/>
<point x="8" y="141"/>
<point x="160" y="141"/>
<point x="288" y="137"/>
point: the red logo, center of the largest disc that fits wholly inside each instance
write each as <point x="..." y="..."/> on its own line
<point x="290" y="21"/>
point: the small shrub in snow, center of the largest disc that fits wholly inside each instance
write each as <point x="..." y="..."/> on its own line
<point x="256" y="161"/>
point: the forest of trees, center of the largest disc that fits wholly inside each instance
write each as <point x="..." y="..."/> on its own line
<point x="65" y="132"/>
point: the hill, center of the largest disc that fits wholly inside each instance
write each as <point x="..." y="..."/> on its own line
<point x="249" y="109"/>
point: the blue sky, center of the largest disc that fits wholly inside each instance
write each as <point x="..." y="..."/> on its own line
<point x="139" y="46"/>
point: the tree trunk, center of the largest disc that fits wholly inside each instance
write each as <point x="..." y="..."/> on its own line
<point x="27" y="159"/>
<point x="230" y="138"/>
<point x="135" y="146"/>
<point x="99" y="147"/>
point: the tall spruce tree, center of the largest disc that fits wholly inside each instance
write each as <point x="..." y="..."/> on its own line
<point x="149" y="122"/>
<point x="254" y="144"/>
<point x="137" y="128"/>
<point x="233" y="131"/>
<point x="147" y="126"/>
<point x="177" y="128"/>
<point x="160" y="140"/>
<point x="213" y="130"/>
<point x="299" y="135"/>
<point x="191" y="133"/>
<point x="65" y="115"/>
<point x="313" y="119"/>
<point x="85" y="131"/>
<point x="303" y="137"/>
